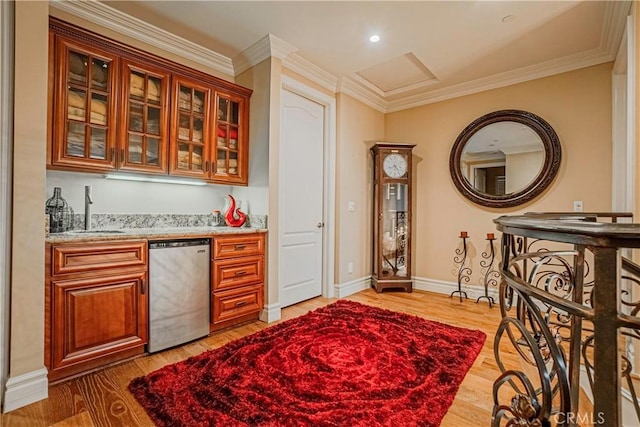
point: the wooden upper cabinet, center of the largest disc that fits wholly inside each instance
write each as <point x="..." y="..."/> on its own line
<point x="84" y="120"/>
<point x="118" y="108"/>
<point x="190" y="132"/>
<point x="231" y="139"/>
<point x="144" y="134"/>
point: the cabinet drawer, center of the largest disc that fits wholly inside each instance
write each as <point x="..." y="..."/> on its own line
<point x="229" y="305"/>
<point x="234" y="272"/>
<point x="67" y="259"/>
<point x="238" y="245"/>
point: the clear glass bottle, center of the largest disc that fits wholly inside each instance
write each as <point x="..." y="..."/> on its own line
<point x="59" y="211"/>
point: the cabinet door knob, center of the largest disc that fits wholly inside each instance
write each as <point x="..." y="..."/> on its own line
<point x="143" y="287"/>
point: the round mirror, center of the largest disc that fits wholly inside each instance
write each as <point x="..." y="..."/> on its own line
<point x="505" y="158"/>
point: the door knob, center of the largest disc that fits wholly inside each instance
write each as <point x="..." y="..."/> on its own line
<point x="320" y="225"/>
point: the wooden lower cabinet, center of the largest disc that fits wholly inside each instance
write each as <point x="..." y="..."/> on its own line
<point x="237" y="288"/>
<point x="96" y="298"/>
<point x="95" y="317"/>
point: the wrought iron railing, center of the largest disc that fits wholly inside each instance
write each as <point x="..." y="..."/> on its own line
<point x="569" y="302"/>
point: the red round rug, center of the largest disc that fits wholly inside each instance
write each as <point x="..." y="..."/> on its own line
<point x="346" y="364"/>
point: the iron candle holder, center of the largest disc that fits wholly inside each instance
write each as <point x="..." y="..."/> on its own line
<point x="490" y="275"/>
<point x="464" y="272"/>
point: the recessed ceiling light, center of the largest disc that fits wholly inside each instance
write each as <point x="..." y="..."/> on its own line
<point x="374" y="38"/>
<point x="508" y="18"/>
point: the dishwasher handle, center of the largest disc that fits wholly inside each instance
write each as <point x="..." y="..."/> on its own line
<point x="180" y="243"/>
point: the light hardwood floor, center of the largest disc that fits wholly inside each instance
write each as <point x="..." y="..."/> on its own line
<point x="102" y="399"/>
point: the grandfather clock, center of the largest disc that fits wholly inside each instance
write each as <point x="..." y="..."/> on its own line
<point x="392" y="228"/>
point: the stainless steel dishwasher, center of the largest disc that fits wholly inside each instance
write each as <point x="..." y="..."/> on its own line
<point x="179" y="292"/>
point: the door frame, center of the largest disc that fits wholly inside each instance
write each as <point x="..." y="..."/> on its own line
<point x="623" y="120"/>
<point x="6" y="142"/>
<point x="329" y="184"/>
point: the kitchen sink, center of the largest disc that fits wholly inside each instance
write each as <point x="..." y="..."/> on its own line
<point x="97" y="231"/>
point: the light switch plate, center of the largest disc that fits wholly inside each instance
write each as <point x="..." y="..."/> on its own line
<point x="351" y="206"/>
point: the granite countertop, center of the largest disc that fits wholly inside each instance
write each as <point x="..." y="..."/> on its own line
<point x="146" y="233"/>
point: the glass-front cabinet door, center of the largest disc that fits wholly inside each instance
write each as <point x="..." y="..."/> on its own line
<point x="144" y="135"/>
<point x="190" y="134"/>
<point x="229" y="156"/>
<point x="84" y="121"/>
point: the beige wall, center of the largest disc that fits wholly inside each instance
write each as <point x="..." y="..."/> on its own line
<point x="578" y="106"/>
<point x="358" y="127"/>
<point x="29" y="148"/>
<point x="636" y="16"/>
<point x="264" y="132"/>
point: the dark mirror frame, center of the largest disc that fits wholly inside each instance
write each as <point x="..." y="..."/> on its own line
<point x="552" y="157"/>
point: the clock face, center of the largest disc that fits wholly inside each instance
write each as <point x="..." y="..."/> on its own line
<point x="395" y="165"/>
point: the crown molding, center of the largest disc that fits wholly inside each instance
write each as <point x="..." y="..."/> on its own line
<point x="615" y="21"/>
<point x="349" y="86"/>
<point x="549" y="68"/>
<point x="108" y="17"/>
<point x="307" y="69"/>
<point x="268" y="46"/>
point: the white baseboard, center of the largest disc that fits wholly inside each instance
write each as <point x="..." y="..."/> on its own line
<point x="446" y="288"/>
<point x="271" y="312"/>
<point x="354" y="286"/>
<point x="26" y="389"/>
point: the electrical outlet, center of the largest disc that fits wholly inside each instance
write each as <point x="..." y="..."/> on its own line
<point x="350" y="267"/>
<point x="351" y="206"/>
<point x="577" y="206"/>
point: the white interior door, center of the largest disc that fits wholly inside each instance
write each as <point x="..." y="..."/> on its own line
<point x="301" y="199"/>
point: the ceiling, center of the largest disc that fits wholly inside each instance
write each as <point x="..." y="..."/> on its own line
<point x="429" y="50"/>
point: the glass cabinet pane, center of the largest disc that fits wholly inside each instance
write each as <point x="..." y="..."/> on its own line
<point x="136" y="117"/>
<point x="221" y="161"/>
<point x="78" y="67"/>
<point x="394" y="229"/>
<point x="154" y="86"/>
<point x="76" y="104"/>
<point x="233" y="163"/>
<point x="184" y="129"/>
<point x="197" y="157"/>
<point x="221" y="140"/>
<point x="75" y="140"/>
<point x="233" y="138"/>
<point x="183" y="156"/>
<point x="223" y="109"/>
<point x="184" y="98"/>
<point x="99" y="74"/>
<point x="153" y="151"/>
<point x="98" y="143"/>
<point x="198" y="101"/>
<point x="153" y="120"/>
<point x="98" y="109"/>
<point x="135" y="149"/>
<point x="235" y="108"/>
<point x="198" y="128"/>
<point x="136" y="85"/>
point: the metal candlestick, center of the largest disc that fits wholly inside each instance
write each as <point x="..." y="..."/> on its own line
<point x="490" y="275"/>
<point x="464" y="272"/>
